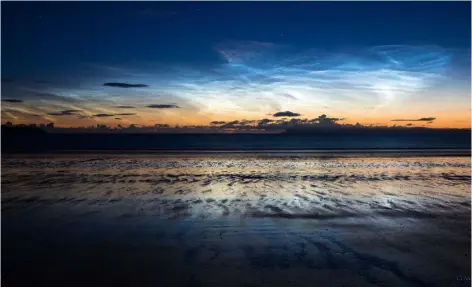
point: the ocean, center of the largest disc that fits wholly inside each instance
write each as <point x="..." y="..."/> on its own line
<point x="401" y="139"/>
<point x="236" y="219"/>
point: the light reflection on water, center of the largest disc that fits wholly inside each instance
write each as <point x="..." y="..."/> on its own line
<point x="362" y="220"/>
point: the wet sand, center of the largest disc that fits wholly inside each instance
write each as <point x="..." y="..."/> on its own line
<point x="235" y="220"/>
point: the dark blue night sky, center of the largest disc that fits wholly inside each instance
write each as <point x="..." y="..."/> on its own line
<point x="67" y="34"/>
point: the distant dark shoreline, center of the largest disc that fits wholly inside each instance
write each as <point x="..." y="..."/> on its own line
<point x="28" y="130"/>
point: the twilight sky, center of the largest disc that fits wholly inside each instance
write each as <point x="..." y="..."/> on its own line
<point x="83" y="63"/>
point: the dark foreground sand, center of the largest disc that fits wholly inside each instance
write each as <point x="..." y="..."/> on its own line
<point x="228" y="220"/>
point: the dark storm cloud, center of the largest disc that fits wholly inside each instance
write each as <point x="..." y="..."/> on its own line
<point x="125" y="85"/>
<point x="430" y="119"/>
<point x="125" y="114"/>
<point x="324" y="119"/>
<point x="65" y="113"/>
<point x="118" y="119"/>
<point x="12" y="101"/>
<point x="163" y="106"/>
<point x="230" y="125"/>
<point x="264" y="121"/>
<point x="113" y="115"/>
<point x="286" y="114"/>
<point x="125" y="107"/>
<point x="103" y="115"/>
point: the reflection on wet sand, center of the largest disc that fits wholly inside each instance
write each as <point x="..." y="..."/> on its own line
<point x="236" y="220"/>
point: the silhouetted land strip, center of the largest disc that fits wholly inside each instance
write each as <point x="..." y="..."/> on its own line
<point x="6" y="131"/>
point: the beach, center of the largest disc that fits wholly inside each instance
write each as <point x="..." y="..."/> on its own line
<point x="258" y="219"/>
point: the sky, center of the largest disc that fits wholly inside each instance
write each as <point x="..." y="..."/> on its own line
<point x="192" y="63"/>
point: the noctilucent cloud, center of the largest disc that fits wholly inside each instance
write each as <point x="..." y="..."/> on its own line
<point x="189" y="63"/>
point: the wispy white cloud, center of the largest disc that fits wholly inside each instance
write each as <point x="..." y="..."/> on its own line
<point x="388" y="72"/>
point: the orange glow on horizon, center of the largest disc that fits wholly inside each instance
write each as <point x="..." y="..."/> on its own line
<point x="456" y="120"/>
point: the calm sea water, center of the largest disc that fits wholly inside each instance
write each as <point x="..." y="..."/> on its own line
<point x="235" y="220"/>
<point x="429" y="139"/>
